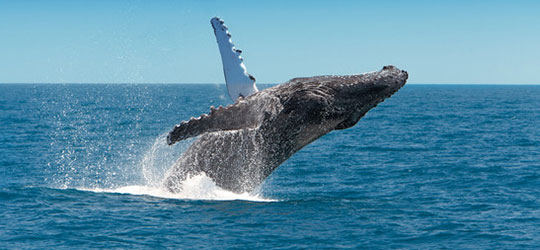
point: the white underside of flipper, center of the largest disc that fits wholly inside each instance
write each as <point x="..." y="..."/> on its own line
<point x="239" y="82"/>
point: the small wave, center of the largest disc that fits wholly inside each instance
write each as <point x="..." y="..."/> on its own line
<point x="199" y="187"/>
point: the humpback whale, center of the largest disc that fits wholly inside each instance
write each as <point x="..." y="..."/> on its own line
<point x="239" y="145"/>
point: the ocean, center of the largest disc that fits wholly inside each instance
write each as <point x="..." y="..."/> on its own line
<point x="433" y="167"/>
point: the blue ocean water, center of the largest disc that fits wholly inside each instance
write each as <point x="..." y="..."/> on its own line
<point x="433" y="167"/>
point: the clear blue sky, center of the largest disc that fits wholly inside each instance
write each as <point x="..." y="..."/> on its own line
<point x="172" y="41"/>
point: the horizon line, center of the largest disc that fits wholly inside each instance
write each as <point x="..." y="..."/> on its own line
<point x="222" y="83"/>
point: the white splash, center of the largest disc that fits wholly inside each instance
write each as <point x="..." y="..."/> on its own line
<point x="199" y="187"/>
<point x="154" y="168"/>
<point x="159" y="158"/>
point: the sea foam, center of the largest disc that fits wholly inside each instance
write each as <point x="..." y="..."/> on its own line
<point x="198" y="187"/>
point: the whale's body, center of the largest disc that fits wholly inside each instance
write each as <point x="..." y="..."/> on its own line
<point x="241" y="144"/>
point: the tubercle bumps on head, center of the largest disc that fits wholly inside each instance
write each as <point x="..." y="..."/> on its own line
<point x="389" y="67"/>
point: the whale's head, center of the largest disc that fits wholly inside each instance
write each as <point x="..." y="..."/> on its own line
<point x="338" y="102"/>
<point x="354" y="96"/>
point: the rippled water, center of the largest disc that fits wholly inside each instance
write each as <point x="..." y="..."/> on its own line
<point x="433" y="167"/>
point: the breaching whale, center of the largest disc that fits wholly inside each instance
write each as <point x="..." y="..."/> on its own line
<point x="239" y="145"/>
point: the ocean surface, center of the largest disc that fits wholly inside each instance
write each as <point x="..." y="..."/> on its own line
<point x="433" y="167"/>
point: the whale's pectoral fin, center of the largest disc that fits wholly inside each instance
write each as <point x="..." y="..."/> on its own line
<point x="235" y="116"/>
<point x="239" y="82"/>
